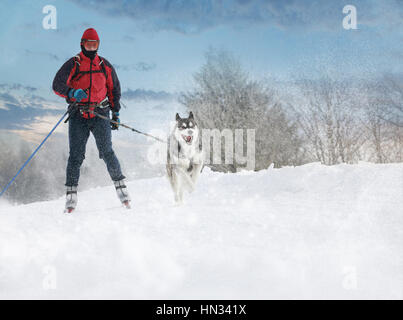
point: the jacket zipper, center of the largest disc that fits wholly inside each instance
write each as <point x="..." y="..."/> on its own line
<point x="89" y="90"/>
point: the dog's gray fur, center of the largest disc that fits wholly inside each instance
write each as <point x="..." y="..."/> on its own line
<point x="184" y="156"/>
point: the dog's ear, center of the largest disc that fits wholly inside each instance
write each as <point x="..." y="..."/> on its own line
<point x="191" y="115"/>
<point x="177" y="117"/>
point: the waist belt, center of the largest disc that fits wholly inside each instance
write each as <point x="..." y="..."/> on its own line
<point x="85" y="107"/>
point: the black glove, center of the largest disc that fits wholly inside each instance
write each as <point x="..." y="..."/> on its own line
<point x="115" y="117"/>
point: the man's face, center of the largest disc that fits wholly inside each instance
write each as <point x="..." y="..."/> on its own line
<point x="91" y="45"/>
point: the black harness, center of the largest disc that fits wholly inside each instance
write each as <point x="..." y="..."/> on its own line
<point x="84" y="107"/>
<point x="78" y="73"/>
<point x="77" y="76"/>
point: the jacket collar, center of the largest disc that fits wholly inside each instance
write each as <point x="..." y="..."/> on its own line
<point x="86" y="59"/>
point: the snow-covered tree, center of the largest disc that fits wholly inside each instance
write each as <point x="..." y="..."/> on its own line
<point x="329" y="117"/>
<point x="225" y="97"/>
<point x="383" y="119"/>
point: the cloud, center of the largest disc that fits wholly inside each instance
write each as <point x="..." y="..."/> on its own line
<point x="141" y="94"/>
<point x="19" y="106"/>
<point x="16" y="86"/>
<point x="20" y="96"/>
<point x="140" y="66"/>
<point x="72" y="29"/>
<point x="14" y="117"/>
<point x="45" y="54"/>
<point x="38" y="127"/>
<point x="7" y="100"/>
<point x="193" y="16"/>
<point x="128" y="38"/>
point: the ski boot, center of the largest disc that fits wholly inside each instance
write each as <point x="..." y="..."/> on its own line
<point x="71" y="199"/>
<point x="122" y="193"/>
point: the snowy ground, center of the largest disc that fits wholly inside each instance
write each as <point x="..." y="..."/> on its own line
<point x="307" y="232"/>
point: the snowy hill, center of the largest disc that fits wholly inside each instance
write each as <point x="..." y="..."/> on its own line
<point x="306" y="232"/>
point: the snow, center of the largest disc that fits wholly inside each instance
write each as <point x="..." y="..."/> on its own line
<point x="312" y="231"/>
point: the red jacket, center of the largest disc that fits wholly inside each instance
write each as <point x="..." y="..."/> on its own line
<point x="98" y="81"/>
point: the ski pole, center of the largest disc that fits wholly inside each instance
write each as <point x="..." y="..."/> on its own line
<point x="126" y="126"/>
<point x="71" y="106"/>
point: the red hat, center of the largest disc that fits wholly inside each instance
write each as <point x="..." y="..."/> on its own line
<point x="90" y="34"/>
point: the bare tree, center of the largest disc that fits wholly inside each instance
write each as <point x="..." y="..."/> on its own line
<point x="393" y="100"/>
<point x="328" y="116"/>
<point x="381" y="120"/>
<point x="225" y="98"/>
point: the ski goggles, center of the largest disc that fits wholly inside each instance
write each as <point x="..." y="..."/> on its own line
<point x="90" y="45"/>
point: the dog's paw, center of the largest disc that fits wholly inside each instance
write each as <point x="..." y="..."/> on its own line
<point x="190" y="188"/>
<point x="178" y="203"/>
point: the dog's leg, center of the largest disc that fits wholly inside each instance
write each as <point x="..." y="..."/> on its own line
<point x="187" y="179"/>
<point x="178" y="186"/>
<point x="197" y="167"/>
<point x="173" y="179"/>
<point x="196" y="173"/>
<point x="198" y="162"/>
<point x="181" y="194"/>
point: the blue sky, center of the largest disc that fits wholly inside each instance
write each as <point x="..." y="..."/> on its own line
<point x="158" y="45"/>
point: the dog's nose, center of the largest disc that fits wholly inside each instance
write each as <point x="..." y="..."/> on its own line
<point x="190" y="132"/>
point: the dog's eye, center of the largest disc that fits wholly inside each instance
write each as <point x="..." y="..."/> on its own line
<point x="183" y="126"/>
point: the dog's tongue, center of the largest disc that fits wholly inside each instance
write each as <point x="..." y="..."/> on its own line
<point x="188" y="138"/>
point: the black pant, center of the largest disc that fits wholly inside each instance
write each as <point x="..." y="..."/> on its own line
<point x="79" y="131"/>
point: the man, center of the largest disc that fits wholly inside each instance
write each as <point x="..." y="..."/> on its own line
<point x="91" y="82"/>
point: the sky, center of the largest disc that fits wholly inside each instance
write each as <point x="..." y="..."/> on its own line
<point x="156" y="46"/>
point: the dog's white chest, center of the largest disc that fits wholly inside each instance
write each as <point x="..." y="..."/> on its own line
<point x="188" y="151"/>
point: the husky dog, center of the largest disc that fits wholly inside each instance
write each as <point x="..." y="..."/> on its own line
<point x="184" y="157"/>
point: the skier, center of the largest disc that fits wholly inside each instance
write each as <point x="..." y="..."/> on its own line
<point x="91" y="82"/>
